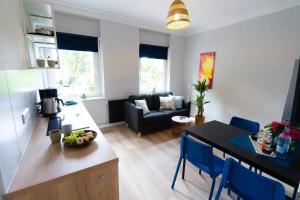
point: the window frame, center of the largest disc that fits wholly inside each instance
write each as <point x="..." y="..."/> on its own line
<point x="98" y="74"/>
<point x="165" y="77"/>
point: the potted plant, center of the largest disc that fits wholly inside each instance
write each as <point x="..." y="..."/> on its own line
<point x="201" y="87"/>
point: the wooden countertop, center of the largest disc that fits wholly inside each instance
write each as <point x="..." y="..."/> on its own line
<point x="44" y="161"/>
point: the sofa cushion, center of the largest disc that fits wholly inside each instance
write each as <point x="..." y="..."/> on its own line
<point x="178" y="112"/>
<point x="156" y="101"/>
<point x="142" y="104"/>
<point x="147" y="97"/>
<point x="155" y="116"/>
<point x="167" y="103"/>
<point x="178" y="101"/>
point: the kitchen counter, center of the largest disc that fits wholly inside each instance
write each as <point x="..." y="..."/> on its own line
<point x="45" y="164"/>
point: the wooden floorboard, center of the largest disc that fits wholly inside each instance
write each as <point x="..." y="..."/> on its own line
<point x="147" y="165"/>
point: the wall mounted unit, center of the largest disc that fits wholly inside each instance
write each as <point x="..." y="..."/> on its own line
<point x="39" y="28"/>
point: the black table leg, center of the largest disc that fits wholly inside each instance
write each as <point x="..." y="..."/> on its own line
<point x="183" y="168"/>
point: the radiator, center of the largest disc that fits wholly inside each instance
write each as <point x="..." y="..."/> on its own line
<point x="116" y="110"/>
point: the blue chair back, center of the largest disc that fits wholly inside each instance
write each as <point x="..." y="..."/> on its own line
<point x="196" y="152"/>
<point x="249" y="185"/>
<point x="245" y="124"/>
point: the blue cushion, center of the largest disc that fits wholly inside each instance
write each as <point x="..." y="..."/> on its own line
<point x="178" y="102"/>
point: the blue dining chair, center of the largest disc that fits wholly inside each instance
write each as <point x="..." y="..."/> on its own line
<point x="200" y="155"/>
<point x="249" y="185"/>
<point x="247" y="125"/>
<point x="244" y="124"/>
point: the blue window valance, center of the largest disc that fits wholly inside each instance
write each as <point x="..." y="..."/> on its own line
<point x="68" y="41"/>
<point x="151" y="51"/>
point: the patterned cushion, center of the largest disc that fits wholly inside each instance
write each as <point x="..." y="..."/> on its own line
<point x="156" y="101"/>
<point x="167" y="103"/>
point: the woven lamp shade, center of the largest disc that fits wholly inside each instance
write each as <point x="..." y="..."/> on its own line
<point x="178" y="16"/>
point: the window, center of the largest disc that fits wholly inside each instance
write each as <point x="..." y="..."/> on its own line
<point x="153" y="68"/>
<point x="79" y="75"/>
<point x="153" y="75"/>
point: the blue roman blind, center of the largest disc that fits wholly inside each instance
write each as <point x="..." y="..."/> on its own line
<point x="68" y="41"/>
<point x="151" y="51"/>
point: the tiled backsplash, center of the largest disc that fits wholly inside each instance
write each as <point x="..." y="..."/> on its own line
<point x="17" y="92"/>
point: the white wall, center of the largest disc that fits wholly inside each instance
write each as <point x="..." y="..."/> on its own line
<point x="254" y="63"/>
<point x="176" y="64"/>
<point x="120" y="44"/>
<point x="119" y="49"/>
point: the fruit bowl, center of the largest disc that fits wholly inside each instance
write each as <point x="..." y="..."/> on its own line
<point x="80" y="138"/>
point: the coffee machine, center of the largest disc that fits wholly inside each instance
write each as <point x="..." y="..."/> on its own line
<point x="50" y="103"/>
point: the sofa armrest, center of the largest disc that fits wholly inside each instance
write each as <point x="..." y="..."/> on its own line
<point x="133" y="115"/>
<point x="187" y="105"/>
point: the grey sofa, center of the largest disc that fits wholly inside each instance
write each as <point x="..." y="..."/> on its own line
<point x="156" y="119"/>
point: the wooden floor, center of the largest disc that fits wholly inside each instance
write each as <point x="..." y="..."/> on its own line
<point x="147" y="166"/>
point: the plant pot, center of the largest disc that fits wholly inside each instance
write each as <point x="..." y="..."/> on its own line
<point x="199" y="119"/>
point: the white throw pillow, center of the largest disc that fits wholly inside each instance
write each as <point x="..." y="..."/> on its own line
<point x="142" y="104"/>
<point x="178" y="101"/>
<point x="167" y="103"/>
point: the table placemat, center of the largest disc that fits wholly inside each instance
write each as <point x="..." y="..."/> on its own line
<point x="243" y="141"/>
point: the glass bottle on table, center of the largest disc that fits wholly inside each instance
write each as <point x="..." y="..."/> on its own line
<point x="284" y="141"/>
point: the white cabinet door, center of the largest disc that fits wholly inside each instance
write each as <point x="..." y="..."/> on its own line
<point x="12" y="39"/>
<point x="9" y="150"/>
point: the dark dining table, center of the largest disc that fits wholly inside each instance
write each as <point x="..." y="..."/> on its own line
<point x="218" y="135"/>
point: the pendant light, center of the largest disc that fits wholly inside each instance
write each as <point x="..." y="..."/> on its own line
<point x="178" y="16"/>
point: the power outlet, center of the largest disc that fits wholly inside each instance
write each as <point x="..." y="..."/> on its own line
<point x="25" y="115"/>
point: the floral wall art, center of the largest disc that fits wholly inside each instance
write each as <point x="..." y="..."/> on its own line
<point x="206" y="68"/>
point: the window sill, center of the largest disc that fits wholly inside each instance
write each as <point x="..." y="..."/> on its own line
<point x="93" y="98"/>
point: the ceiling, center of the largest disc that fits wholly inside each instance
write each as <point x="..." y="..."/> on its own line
<point x="204" y="14"/>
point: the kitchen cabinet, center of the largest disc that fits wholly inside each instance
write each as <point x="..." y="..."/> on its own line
<point x="20" y="45"/>
<point x="9" y="150"/>
<point x="94" y="184"/>
<point x="101" y="183"/>
<point x="59" y="172"/>
<point x="39" y="28"/>
<point x="12" y="40"/>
